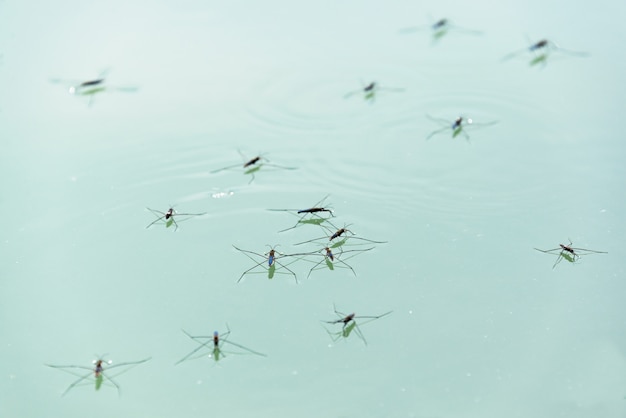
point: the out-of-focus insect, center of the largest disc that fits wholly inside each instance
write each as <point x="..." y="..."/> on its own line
<point x="569" y="253"/>
<point x="100" y="371"/>
<point x="439" y="29"/>
<point x="370" y="91"/>
<point x="89" y="88"/>
<point x="541" y="50"/>
<point x="252" y="166"/>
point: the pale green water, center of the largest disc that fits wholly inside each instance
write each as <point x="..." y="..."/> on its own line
<point x="482" y="326"/>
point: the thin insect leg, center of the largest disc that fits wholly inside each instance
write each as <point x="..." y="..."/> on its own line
<point x="280" y="166"/>
<point x="243" y="157"/>
<point x="558" y="259"/>
<point x="155" y="221"/>
<point x="573" y="53"/>
<point x="110" y="379"/>
<point x="160" y="215"/>
<point x="438" y="131"/>
<point x="338" y="259"/>
<point x="371" y="318"/>
<point x="288" y="269"/>
<point x="514" y="54"/>
<point x="340" y="256"/>
<point x="323" y="239"/>
<point x="301" y="221"/>
<point x="349" y="325"/>
<point x="292" y="227"/>
<point x="359" y="333"/>
<point x="246" y="252"/>
<point x="411" y="29"/>
<point x="230" y="167"/>
<point x="339" y="314"/>
<point x="251" y="268"/>
<point x="549" y="251"/>
<point x="332" y="334"/>
<point x="65" y="368"/>
<point x="440" y="121"/>
<point x="317" y="264"/>
<point x="244" y="348"/>
<point x="350" y="94"/>
<point x="584" y="250"/>
<point x="76" y="382"/>
<point x="201" y="346"/>
<point x="81" y="376"/>
<point x="347" y="265"/>
<point x="127" y="363"/>
<point x="393" y="89"/>
<point x="368" y="240"/>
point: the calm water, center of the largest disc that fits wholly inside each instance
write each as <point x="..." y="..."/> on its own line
<point x="482" y="325"/>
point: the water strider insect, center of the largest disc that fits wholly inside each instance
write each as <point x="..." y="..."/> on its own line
<point x="540" y="51"/>
<point x="439" y="29"/>
<point x="168" y="217"/>
<point x="349" y="324"/>
<point x="311" y="214"/>
<point x="252" y="166"/>
<point x="370" y="90"/>
<point x="457" y="127"/>
<point x="342" y="232"/>
<point x="569" y="253"/>
<point x="99" y="370"/>
<point x="214" y="344"/>
<point x="90" y="88"/>
<point x="333" y="260"/>
<point x="271" y="258"/>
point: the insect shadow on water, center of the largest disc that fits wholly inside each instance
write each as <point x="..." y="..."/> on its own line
<point x="252" y="166"/>
<point x="344" y="233"/>
<point x="349" y="324"/>
<point x="331" y="260"/>
<point x="310" y="216"/>
<point x="370" y="91"/>
<point x="541" y="50"/>
<point x="168" y="217"/>
<point x="99" y="370"/>
<point x="90" y="88"/>
<point x="569" y="253"/>
<point x="439" y="29"/>
<point x="212" y="345"/>
<point x="271" y="258"/>
<point x="457" y="127"/>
